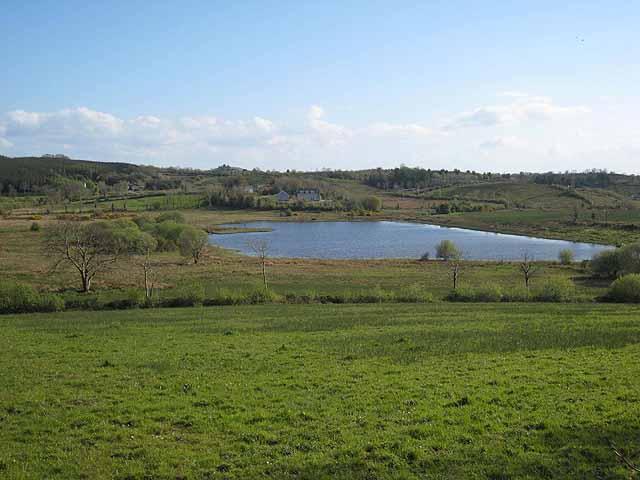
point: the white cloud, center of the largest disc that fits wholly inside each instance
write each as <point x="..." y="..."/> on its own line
<point x="524" y="107"/>
<point x="383" y="128"/>
<point x="325" y="132"/>
<point x="502" y="142"/>
<point x="316" y="139"/>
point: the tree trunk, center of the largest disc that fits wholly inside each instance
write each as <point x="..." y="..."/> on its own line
<point x="147" y="288"/>
<point x="86" y="282"/>
<point x="264" y="274"/>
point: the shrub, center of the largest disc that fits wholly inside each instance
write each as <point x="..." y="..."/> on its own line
<point x="132" y="298"/>
<point x="142" y="221"/>
<point x="377" y="295"/>
<point x="447" y="250"/>
<point x="192" y="242"/>
<point x="413" y="294"/>
<point x="18" y="298"/>
<point x="35" y="227"/>
<point x="489" y="293"/>
<point x="460" y="295"/>
<point x="625" y="289"/>
<point x="516" y="294"/>
<point x="425" y="256"/>
<point x="372" y="204"/>
<point x="607" y="264"/>
<point x="226" y="297"/>
<point x="51" y="303"/>
<point x="172" y="216"/>
<point x="263" y="296"/>
<point x="630" y="258"/>
<point x="186" y="297"/>
<point x="555" y="290"/>
<point x="83" y="303"/>
<point x="306" y="297"/>
<point x="566" y="256"/>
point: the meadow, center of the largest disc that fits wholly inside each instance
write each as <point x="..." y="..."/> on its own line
<point x="308" y="391"/>
<point x="23" y="258"/>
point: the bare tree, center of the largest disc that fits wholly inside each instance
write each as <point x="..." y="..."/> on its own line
<point x="146" y="245"/>
<point x="261" y="248"/>
<point x="192" y="242"/>
<point x="89" y="248"/>
<point x="528" y="268"/>
<point x="454" y="263"/>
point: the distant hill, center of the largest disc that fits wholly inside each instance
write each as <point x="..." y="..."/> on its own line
<point x="27" y="174"/>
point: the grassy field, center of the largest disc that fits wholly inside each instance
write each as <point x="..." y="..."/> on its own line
<point x="367" y="391"/>
<point x="23" y="258"/>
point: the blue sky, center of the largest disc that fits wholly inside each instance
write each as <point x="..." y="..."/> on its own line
<point x="479" y="85"/>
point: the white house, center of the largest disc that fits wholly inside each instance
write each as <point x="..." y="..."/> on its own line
<point x="308" y="195"/>
<point x="283" y="196"/>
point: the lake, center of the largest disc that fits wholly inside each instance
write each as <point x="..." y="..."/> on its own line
<point x="352" y="240"/>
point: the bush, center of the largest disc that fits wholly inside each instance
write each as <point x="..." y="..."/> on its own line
<point x="447" y="250"/>
<point x="377" y="295"/>
<point x="172" y="216"/>
<point x="306" y="297"/>
<point x="225" y="297"/>
<point x="132" y="298"/>
<point x="413" y="294"/>
<point x="460" y="295"/>
<point x="186" y="297"/>
<point x="192" y="242"/>
<point x="263" y="296"/>
<point x="566" y="256"/>
<point x="607" y="264"/>
<point x="142" y="221"/>
<point x="35" y="227"/>
<point x="555" y="290"/>
<point x="18" y="298"/>
<point x="489" y="293"/>
<point x="51" y="303"/>
<point x="625" y="289"/>
<point x="372" y="204"/>
<point x="516" y="294"/>
<point x="83" y="303"/>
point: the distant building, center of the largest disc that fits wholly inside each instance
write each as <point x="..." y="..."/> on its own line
<point x="635" y="196"/>
<point x="308" y="195"/>
<point x="283" y="196"/>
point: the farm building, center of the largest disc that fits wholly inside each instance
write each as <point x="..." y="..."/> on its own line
<point x="308" y="195"/>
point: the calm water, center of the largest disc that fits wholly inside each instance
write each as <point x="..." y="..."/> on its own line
<point x="393" y="240"/>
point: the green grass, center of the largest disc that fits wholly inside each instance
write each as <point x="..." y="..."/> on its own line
<point x="393" y="391"/>
<point x="23" y="258"/>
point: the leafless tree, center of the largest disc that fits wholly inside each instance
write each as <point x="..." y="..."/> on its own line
<point x="192" y="242"/>
<point x="261" y="248"/>
<point x="528" y="268"/>
<point x="454" y="263"/>
<point x="90" y="249"/>
<point x="145" y="247"/>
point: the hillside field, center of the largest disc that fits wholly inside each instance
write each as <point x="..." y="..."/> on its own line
<point x="367" y="391"/>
